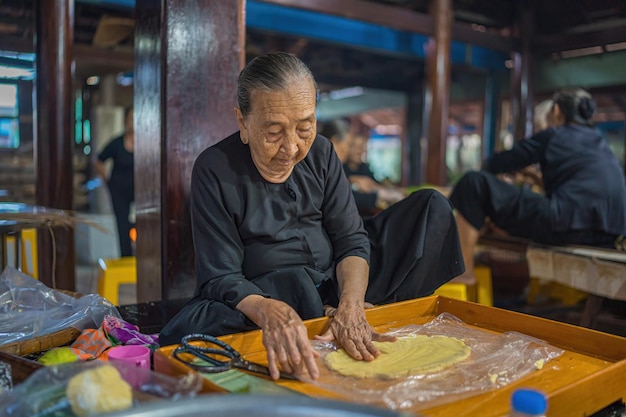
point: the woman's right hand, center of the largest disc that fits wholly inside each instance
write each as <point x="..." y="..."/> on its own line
<point x="285" y="338"/>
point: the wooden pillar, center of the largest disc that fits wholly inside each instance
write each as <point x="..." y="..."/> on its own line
<point x="53" y="140"/>
<point x="414" y="129"/>
<point x="438" y="75"/>
<point x="188" y="54"/>
<point x="521" y="78"/>
<point x="625" y="149"/>
<point x="491" y="113"/>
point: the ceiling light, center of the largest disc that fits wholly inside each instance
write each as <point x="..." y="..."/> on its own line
<point x="16" y="73"/>
<point x="346" y="93"/>
<point x="125" y="79"/>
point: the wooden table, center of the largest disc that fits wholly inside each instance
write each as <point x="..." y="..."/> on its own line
<point x="590" y="375"/>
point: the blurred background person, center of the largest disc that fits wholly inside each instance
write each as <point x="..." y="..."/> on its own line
<point x="370" y="196"/>
<point x="530" y="176"/>
<point x="121" y="182"/>
<point x="585" y="193"/>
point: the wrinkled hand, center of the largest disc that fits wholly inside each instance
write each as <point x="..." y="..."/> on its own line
<point x="286" y="341"/>
<point x="350" y="329"/>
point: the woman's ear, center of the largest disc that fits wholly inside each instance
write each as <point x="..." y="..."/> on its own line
<point x="243" y="132"/>
<point x="557" y="117"/>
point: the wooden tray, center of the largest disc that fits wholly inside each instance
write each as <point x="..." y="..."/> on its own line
<point x="589" y="376"/>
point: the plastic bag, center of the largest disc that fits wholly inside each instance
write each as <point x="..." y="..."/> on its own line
<point x="44" y="393"/>
<point x="496" y="360"/>
<point x="30" y="309"/>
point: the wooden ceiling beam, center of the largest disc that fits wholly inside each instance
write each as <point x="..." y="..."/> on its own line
<point x="83" y="53"/>
<point x="391" y="16"/>
<point x="399" y="18"/>
<point x="16" y="44"/>
<point x="567" y="42"/>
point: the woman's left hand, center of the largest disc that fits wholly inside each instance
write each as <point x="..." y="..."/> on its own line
<point x="349" y="328"/>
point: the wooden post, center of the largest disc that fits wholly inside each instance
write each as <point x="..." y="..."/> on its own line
<point x="491" y="113"/>
<point x="188" y="54"/>
<point x="438" y="75"/>
<point x="414" y="129"/>
<point x="53" y="139"/>
<point x="521" y="78"/>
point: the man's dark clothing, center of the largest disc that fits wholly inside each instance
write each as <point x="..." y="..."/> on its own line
<point x="284" y="240"/>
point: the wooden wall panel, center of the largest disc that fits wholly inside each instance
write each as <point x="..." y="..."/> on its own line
<point x="188" y="57"/>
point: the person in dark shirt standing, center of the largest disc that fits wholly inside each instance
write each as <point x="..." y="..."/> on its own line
<point x="585" y="192"/>
<point x="277" y="235"/>
<point x="121" y="183"/>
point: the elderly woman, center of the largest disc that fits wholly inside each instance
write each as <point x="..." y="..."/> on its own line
<point x="277" y="235"/>
<point x="585" y="194"/>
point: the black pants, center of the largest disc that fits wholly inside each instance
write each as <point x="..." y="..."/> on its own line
<point x="121" y="207"/>
<point x="516" y="210"/>
<point x="414" y="250"/>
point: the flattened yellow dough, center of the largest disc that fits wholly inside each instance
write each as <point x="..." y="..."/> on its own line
<point x="406" y="356"/>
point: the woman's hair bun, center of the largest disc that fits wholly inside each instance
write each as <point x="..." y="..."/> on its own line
<point x="586" y="107"/>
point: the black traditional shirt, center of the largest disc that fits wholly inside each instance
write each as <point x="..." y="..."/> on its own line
<point x="581" y="176"/>
<point x="244" y="226"/>
<point x="122" y="178"/>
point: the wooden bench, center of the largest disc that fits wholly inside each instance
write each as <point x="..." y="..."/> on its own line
<point x="599" y="272"/>
<point x="579" y="271"/>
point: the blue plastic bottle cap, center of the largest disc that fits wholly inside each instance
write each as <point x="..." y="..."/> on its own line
<point x="529" y="401"/>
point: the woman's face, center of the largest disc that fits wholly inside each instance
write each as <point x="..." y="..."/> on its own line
<point x="358" y="147"/>
<point x="280" y="128"/>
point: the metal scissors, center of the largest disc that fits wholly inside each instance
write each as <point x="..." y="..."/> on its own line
<point x="213" y="365"/>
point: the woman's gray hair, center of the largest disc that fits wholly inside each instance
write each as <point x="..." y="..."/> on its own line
<point x="272" y="71"/>
<point x="576" y="104"/>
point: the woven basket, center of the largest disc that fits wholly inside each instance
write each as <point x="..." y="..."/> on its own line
<point x="43" y="343"/>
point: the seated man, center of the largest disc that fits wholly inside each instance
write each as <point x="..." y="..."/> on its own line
<point x="585" y="192"/>
<point x="369" y="195"/>
<point x="277" y="235"/>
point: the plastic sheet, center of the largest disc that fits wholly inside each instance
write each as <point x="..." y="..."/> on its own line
<point x="30" y="309"/>
<point x="496" y="360"/>
<point x="44" y="393"/>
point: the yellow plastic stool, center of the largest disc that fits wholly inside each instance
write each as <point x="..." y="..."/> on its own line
<point x="456" y="290"/>
<point x="480" y="292"/>
<point x="484" y="286"/>
<point x="540" y="290"/>
<point x="28" y="252"/>
<point x="30" y="258"/>
<point x="115" y="272"/>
